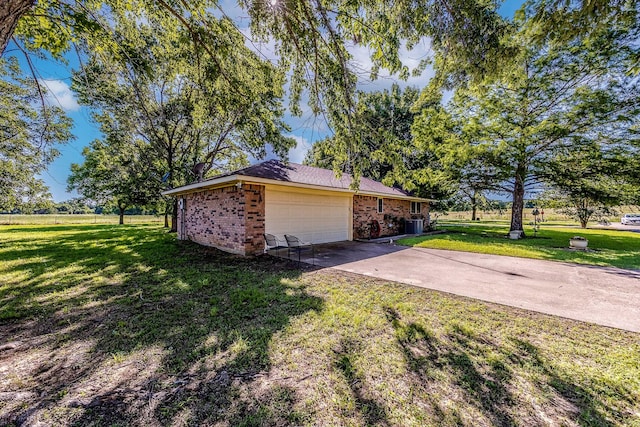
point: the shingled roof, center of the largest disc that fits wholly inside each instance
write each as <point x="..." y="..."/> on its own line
<point x="300" y="175"/>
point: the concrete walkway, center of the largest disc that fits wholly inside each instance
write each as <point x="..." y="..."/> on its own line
<point x="605" y="296"/>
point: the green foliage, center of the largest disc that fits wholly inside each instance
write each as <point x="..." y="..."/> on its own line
<point x="75" y="206"/>
<point x="553" y="99"/>
<point x="588" y="181"/>
<point x="383" y="121"/>
<point x="114" y="173"/>
<point x="472" y="43"/>
<point x="311" y="41"/>
<point x="29" y="132"/>
<point x="177" y="112"/>
<point x="462" y="165"/>
<point x="53" y="25"/>
<point x="561" y="22"/>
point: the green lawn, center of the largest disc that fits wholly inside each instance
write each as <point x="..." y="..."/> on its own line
<point x="606" y="247"/>
<point x="108" y="325"/>
<point x="55" y="219"/>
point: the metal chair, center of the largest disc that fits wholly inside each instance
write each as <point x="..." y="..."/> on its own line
<point x="295" y="244"/>
<point x="272" y="242"/>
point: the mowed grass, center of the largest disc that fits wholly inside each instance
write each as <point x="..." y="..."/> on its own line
<point x="54" y="219"/>
<point x="109" y="325"/>
<point x="606" y="247"/>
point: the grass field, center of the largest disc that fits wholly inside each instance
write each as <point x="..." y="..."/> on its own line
<point x="108" y="325"/>
<point x="606" y="247"/>
<point x="54" y="219"/>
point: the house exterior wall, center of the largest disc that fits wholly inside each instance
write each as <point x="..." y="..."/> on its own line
<point x="228" y="218"/>
<point x="365" y="210"/>
<point x="233" y="219"/>
<point x="254" y="198"/>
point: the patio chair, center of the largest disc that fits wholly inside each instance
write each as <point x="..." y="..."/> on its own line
<point x="272" y="242"/>
<point x="296" y="245"/>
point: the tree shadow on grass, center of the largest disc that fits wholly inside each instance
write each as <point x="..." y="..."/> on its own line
<point x="428" y="357"/>
<point x="372" y="411"/>
<point x="141" y="329"/>
<point x="485" y="372"/>
<point x="589" y="406"/>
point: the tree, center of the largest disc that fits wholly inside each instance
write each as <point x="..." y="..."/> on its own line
<point x="553" y="99"/>
<point x="384" y="120"/>
<point x="629" y="146"/>
<point x="461" y="164"/>
<point x="29" y="133"/>
<point x="114" y="172"/>
<point x="75" y="205"/>
<point x="10" y="13"/>
<point x="589" y="181"/>
<point x="311" y="39"/>
<point x="476" y="175"/>
<point x="194" y="116"/>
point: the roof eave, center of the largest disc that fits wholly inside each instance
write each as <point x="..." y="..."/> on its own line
<point x="197" y="186"/>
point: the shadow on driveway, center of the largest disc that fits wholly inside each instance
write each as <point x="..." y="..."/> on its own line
<point x="338" y="253"/>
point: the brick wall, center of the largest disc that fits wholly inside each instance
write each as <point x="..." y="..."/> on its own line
<point x="229" y="218"/>
<point x="365" y="210"/>
<point x="254" y="219"/>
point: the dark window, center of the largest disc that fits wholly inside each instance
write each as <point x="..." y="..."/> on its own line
<point x="380" y="205"/>
<point x="415" y="207"/>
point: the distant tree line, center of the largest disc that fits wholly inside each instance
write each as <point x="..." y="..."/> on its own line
<point x="80" y="206"/>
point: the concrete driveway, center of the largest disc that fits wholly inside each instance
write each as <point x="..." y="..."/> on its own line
<point x="605" y="296"/>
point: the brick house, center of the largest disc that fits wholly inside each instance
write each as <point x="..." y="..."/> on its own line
<point x="232" y="211"/>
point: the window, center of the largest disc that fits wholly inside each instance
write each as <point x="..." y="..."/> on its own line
<point x="380" y="205"/>
<point x="415" y="207"/>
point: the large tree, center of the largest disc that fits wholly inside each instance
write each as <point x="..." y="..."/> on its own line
<point x="313" y="38"/>
<point x="114" y="172"/>
<point x="30" y="130"/>
<point x="552" y="99"/>
<point x="460" y="163"/>
<point x="383" y="119"/>
<point x="194" y="115"/>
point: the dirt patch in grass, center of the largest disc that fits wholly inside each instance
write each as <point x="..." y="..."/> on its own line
<point x="109" y="325"/>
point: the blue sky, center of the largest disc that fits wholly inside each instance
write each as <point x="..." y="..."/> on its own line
<point x="305" y="129"/>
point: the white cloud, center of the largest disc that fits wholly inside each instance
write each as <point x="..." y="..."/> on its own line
<point x="296" y="155"/>
<point x="60" y="94"/>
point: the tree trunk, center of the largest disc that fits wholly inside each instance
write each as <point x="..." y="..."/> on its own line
<point x="121" y="209"/>
<point x="174" y="217"/>
<point x="166" y="218"/>
<point x="517" y="206"/>
<point x="474" y="208"/>
<point x="10" y="13"/>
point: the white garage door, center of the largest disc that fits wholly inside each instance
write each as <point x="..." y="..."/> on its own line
<point x="311" y="217"/>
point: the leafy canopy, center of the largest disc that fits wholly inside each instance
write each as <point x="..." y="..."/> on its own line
<point x="29" y="132"/>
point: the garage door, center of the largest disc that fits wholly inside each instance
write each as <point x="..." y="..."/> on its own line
<point x="311" y="217"/>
